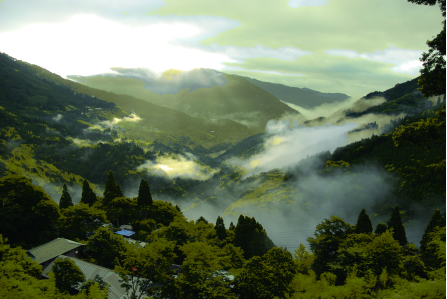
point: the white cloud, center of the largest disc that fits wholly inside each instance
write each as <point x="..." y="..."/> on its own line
<point x="238" y="68"/>
<point x="407" y="60"/>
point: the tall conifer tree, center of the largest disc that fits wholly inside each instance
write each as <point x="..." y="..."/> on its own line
<point x="88" y="196"/>
<point x="380" y="228"/>
<point x="232" y="227"/>
<point x="65" y="201"/>
<point x="201" y="218"/>
<point x="220" y="228"/>
<point x="144" y="200"/>
<point x="399" y="229"/>
<point x="112" y="189"/>
<point x="436" y="220"/>
<point x="443" y="220"/>
<point x="364" y="224"/>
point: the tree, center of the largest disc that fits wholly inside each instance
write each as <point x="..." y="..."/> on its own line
<point x="220" y="228"/>
<point x="28" y="216"/>
<point x="201" y="219"/>
<point x="144" y="201"/>
<point x="104" y="247"/>
<point x="65" y="200"/>
<point x="80" y="221"/>
<point x="423" y="133"/>
<point x="395" y="222"/>
<point x="380" y="228"/>
<point x="251" y="237"/>
<point x="232" y="227"/>
<point x="280" y="266"/>
<point x="267" y="277"/>
<point x="439" y="100"/>
<point x="143" y="228"/>
<point x="385" y="252"/>
<point x="432" y="77"/>
<point x="103" y="286"/>
<point x="435" y="221"/>
<point x="352" y="253"/>
<point x="364" y="224"/>
<point x="112" y="189"/>
<point x="122" y="210"/>
<point x="197" y="279"/>
<point x="303" y="260"/>
<point x="88" y="196"/>
<point x="67" y="274"/>
<point x="329" y="235"/>
<point x="149" y="264"/>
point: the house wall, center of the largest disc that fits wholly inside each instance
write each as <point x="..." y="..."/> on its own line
<point x="71" y="253"/>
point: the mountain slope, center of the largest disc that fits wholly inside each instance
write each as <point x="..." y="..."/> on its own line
<point x="230" y="98"/>
<point x="34" y="86"/>
<point x="303" y="97"/>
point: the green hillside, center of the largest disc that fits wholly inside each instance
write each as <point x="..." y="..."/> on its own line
<point x="170" y="125"/>
<point x="303" y="97"/>
<point x="238" y="99"/>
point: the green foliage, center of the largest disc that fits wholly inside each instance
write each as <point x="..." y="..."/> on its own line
<point x="104" y="247"/>
<point x="352" y="253"/>
<point x="143" y="228"/>
<point x="220" y="228"/>
<point x="435" y="221"/>
<point x="380" y="228"/>
<point x="435" y="255"/>
<point x="303" y="260"/>
<point x="144" y="200"/>
<point x="364" y="224"/>
<point x="143" y="265"/>
<point x="201" y="219"/>
<point x="88" y="196"/>
<point x="385" y="252"/>
<point x="112" y="189"/>
<point x="99" y="282"/>
<point x="17" y="257"/>
<point x="395" y="223"/>
<point x="251" y="237"/>
<point x="122" y="210"/>
<point x="329" y="235"/>
<point x="67" y="274"/>
<point x="196" y="279"/>
<point x="22" y="206"/>
<point x="424" y="133"/>
<point x="80" y="221"/>
<point x="65" y="200"/>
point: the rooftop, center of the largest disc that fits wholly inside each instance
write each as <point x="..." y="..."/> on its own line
<point x="52" y="249"/>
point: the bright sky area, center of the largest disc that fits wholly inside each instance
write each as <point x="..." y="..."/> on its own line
<point x="347" y="46"/>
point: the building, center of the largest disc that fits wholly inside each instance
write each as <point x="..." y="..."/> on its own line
<point x="47" y="253"/>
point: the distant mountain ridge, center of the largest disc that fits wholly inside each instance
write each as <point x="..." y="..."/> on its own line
<point x="303" y="97"/>
<point x="200" y="93"/>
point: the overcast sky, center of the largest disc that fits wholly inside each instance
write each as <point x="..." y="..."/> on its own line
<point x="347" y="46"/>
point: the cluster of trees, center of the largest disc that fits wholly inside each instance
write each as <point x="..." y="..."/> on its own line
<point x="346" y="261"/>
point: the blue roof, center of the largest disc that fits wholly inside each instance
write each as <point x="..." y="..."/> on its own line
<point x="125" y="232"/>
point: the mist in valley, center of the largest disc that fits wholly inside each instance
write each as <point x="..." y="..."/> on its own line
<point x="311" y="197"/>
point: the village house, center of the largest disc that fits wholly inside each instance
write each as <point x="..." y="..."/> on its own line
<point x="47" y="253"/>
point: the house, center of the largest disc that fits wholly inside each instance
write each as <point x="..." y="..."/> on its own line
<point x="48" y="252"/>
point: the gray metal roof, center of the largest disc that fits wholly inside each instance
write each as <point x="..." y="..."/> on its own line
<point x="90" y="271"/>
<point x="52" y="249"/>
<point x="135" y="241"/>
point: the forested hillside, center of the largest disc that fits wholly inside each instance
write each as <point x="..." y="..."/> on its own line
<point x="56" y="142"/>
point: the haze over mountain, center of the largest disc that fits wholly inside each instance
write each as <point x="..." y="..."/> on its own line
<point x="225" y="173"/>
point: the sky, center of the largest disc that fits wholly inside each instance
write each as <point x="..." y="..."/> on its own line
<point x="341" y="46"/>
<point x="345" y="46"/>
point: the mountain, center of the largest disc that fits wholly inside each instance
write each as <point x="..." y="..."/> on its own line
<point x="201" y="93"/>
<point x="303" y="97"/>
<point x="146" y="121"/>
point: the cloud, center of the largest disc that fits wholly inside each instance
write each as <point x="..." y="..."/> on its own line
<point x="57" y="117"/>
<point x="302" y="3"/>
<point x="183" y="166"/>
